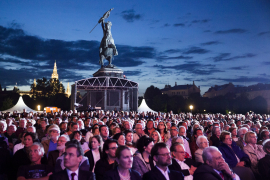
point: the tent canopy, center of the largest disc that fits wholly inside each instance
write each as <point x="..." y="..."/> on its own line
<point x="144" y="108"/>
<point x="19" y="107"/>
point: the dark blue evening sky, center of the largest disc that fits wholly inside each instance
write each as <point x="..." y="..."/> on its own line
<point x="159" y="42"/>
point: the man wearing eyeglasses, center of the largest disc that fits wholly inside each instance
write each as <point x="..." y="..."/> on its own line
<point x="106" y="163"/>
<point x="72" y="158"/>
<point x="214" y="167"/>
<point x="179" y="163"/>
<point x="162" y="156"/>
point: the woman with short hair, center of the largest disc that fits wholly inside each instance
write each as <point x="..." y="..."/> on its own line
<point x="254" y="151"/>
<point x="78" y="136"/>
<point x="215" y="136"/>
<point x="120" y="138"/>
<point x="202" y="142"/>
<point x="235" y="157"/>
<point x="142" y="161"/>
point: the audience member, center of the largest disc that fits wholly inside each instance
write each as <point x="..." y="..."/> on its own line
<point x="202" y="142"/>
<point x="53" y="134"/>
<point x="162" y="156"/>
<point x="72" y="161"/>
<point x="264" y="163"/>
<point x="78" y="136"/>
<point x="138" y="132"/>
<point x="60" y="149"/>
<point x="254" y="151"/>
<point x="214" y="167"/>
<point x="35" y="170"/>
<point x="124" y="159"/>
<point x="237" y="160"/>
<point x="95" y="151"/>
<point x="142" y="162"/>
<point x="179" y="163"/>
<point x="107" y="161"/>
<point x="241" y="133"/>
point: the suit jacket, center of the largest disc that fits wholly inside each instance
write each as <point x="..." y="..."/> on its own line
<point x="240" y="144"/>
<point x="114" y="175"/>
<point x="155" y="174"/>
<point x="53" y="155"/>
<point x="264" y="167"/>
<point x="63" y="175"/>
<point x="176" y="167"/>
<point x="207" y="172"/>
<point x="229" y="154"/>
<point x="89" y="154"/>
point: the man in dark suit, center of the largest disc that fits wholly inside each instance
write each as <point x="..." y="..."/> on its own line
<point x="214" y="167"/>
<point x="72" y="158"/>
<point x="161" y="154"/>
<point x="179" y="163"/>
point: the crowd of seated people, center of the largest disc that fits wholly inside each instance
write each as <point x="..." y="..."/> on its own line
<point x="119" y="145"/>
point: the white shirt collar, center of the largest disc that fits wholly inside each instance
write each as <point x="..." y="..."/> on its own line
<point x="166" y="173"/>
<point x="70" y="172"/>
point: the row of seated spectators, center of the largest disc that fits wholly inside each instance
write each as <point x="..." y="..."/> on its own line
<point x="187" y="137"/>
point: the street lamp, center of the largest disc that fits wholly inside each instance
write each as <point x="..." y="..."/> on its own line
<point x="191" y="107"/>
<point x="230" y="112"/>
<point x="38" y="107"/>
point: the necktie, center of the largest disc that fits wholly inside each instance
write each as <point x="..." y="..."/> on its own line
<point x="73" y="175"/>
<point x="221" y="174"/>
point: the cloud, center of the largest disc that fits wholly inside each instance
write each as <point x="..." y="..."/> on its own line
<point x="264" y="33"/>
<point x="162" y="58"/>
<point x="132" y="73"/>
<point x="195" y="50"/>
<point x="179" y="25"/>
<point x="166" y="25"/>
<point x="210" y="43"/>
<point x="130" y="15"/>
<point x="201" y="21"/>
<point x="171" y="51"/>
<point x="33" y="57"/>
<point x="192" y="67"/>
<point x="239" y="67"/>
<point x="246" y="79"/>
<point x="266" y="63"/>
<point x="226" y="57"/>
<point x="231" y="31"/>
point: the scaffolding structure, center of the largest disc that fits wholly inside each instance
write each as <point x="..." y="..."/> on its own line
<point x="105" y="92"/>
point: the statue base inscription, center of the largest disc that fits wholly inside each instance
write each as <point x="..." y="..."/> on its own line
<point x="109" y="71"/>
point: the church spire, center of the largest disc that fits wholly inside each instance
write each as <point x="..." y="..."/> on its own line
<point x="54" y="74"/>
<point x="68" y="93"/>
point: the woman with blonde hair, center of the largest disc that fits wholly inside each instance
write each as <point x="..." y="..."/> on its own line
<point x="156" y="136"/>
<point x="254" y="151"/>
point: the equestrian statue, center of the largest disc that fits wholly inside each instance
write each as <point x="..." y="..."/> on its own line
<point x="107" y="48"/>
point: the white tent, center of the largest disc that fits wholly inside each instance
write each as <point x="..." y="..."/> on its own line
<point x="19" y="107"/>
<point x="144" y="108"/>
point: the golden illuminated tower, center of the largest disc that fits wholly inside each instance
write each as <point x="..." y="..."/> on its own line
<point x="68" y="93"/>
<point x="54" y="74"/>
<point x="35" y="83"/>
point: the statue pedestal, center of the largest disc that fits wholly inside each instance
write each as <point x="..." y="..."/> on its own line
<point x="109" y="72"/>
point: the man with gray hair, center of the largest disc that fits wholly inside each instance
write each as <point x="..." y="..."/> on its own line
<point x="36" y="170"/>
<point x="139" y="132"/>
<point x="60" y="149"/>
<point x="214" y="167"/>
